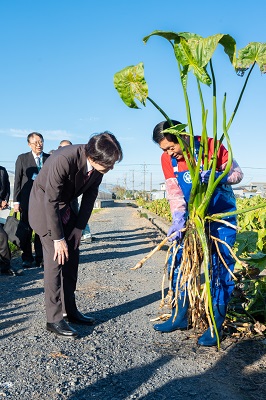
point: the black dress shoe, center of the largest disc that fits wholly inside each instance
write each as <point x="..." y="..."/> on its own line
<point x="18" y="271"/>
<point x="8" y="271"/>
<point x="13" y="272"/>
<point x="61" y="328"/>
<point x="39" y="264"/>
<point x="26" y="264"/>
<point x="79" y="318"/>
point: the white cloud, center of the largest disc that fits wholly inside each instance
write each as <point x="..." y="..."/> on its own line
<point x="89" y="119"/>
<point x="56" y="135"/>
<point x="16" y="132"/>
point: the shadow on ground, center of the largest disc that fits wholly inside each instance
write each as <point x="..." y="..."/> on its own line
<point x="221" y="382"/>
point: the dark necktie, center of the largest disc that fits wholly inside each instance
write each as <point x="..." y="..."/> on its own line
<point x="38" y="163"/>
<point x="88" y="174"/>
<point x="66" y="215"/>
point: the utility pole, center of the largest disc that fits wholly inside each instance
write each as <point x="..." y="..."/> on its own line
<point x="125" y="181"/>
<point x="144" y="182"/>
<point x="133" y="183"/>
<point x="133" y="187"/>
<point x="150" y="186"/>
<point x="125" y="184"/>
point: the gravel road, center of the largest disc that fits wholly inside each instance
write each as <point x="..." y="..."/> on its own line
<point x="121" y="356"/>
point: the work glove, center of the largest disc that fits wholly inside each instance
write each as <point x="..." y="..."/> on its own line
<point x="205" y="176"/>
<point x="179" y="221"/>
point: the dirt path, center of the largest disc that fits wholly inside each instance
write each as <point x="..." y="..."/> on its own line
<point x="121" y="357"/>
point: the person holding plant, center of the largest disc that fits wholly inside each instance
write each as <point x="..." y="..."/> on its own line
<point x="178" y="188"/>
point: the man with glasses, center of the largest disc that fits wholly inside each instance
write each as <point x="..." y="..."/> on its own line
<point x="27" y="168"/>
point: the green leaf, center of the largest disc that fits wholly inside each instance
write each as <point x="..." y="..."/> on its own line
<point x="130" y="84"/>
<point x="177" y="129"/>
<point x="169" y="35"/>
<point x="187" y="57"/>
<point x="194" y="52"/>
<point x="261" y="239"/>
<point x="184" y="72"/>
<point x="229" y="45"/>
<point x="246" y="242"/>
<point x="203" y="48"/>
<point x="254" y="52"/>
<point x="256" y="260"/>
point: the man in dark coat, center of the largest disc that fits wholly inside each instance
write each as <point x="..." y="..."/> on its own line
<point x="5" y="254"/>
<point x="27" y="168"/>
<point x="69" y="172"/>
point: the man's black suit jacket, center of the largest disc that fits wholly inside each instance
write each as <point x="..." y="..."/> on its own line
<point x="61" y="180"/>
<point x="24" y="172"/>
<point x="4" y="185"/>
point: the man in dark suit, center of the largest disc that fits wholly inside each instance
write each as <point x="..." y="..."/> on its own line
<point x="27" y="168"/>
<point x="5" y="255"/>
<point x="69" y="172"/>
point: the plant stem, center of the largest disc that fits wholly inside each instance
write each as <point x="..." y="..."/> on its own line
<point x="161" y="111"/>
<point x="236" y="212"/>
<point x="200" y="227"/>
<point x="189" y="119"/>
<point x="238" y="101"/>
<point x="214" y="105"/>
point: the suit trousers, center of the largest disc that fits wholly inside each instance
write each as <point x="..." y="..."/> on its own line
<point x="5" y="255"/>
<point x="60" y="280"/>
<point x="27" y="249"/>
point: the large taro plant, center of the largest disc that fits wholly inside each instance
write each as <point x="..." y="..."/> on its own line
<point x="194" y="54"/>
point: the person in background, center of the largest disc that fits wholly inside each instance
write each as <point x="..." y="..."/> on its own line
<point x="178" y="189"/>
<point x="5" y="254"/>
<point x="64" y="143"/>
<point x="28" y="165"/>
<point x="68" y="173"/>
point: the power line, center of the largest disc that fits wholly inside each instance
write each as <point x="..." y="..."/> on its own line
<point x="253" y="167"/>
<point x="140" y="165"/>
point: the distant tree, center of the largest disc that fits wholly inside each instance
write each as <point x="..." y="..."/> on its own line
<point x="119" y="191"/>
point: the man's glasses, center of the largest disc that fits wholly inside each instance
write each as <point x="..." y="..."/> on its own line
<point x="40" y="143"/>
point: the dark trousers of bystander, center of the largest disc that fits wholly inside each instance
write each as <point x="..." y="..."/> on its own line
<point x="27" y="255"/>
<point x="5" y="254"/>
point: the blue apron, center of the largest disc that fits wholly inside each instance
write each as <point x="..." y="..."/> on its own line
<point x="223" y="200"/>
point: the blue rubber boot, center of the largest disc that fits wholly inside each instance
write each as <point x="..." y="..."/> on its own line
<point x="181" y="321"/>
<point x="206" y="339"/>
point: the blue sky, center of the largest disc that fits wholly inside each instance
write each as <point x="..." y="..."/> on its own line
<point x="58" y="59"/>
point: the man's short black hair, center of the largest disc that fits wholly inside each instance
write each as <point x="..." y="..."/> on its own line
<point x="30" y="135"/>
<point x="104" y="149"/>
<point x="159" y="128"/>
<point x="66" y="143"/>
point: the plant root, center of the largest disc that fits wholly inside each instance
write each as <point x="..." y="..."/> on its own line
<point x="158" y="247"/>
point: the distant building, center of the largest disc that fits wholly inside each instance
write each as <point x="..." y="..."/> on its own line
<point x="259" y="188"/>
<point x="239" y="191"/>
<point x="251" y="190"/>
<point x="104" y="193"/>
<point x="159" y="194"/>
<point x="245" y="191"/>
